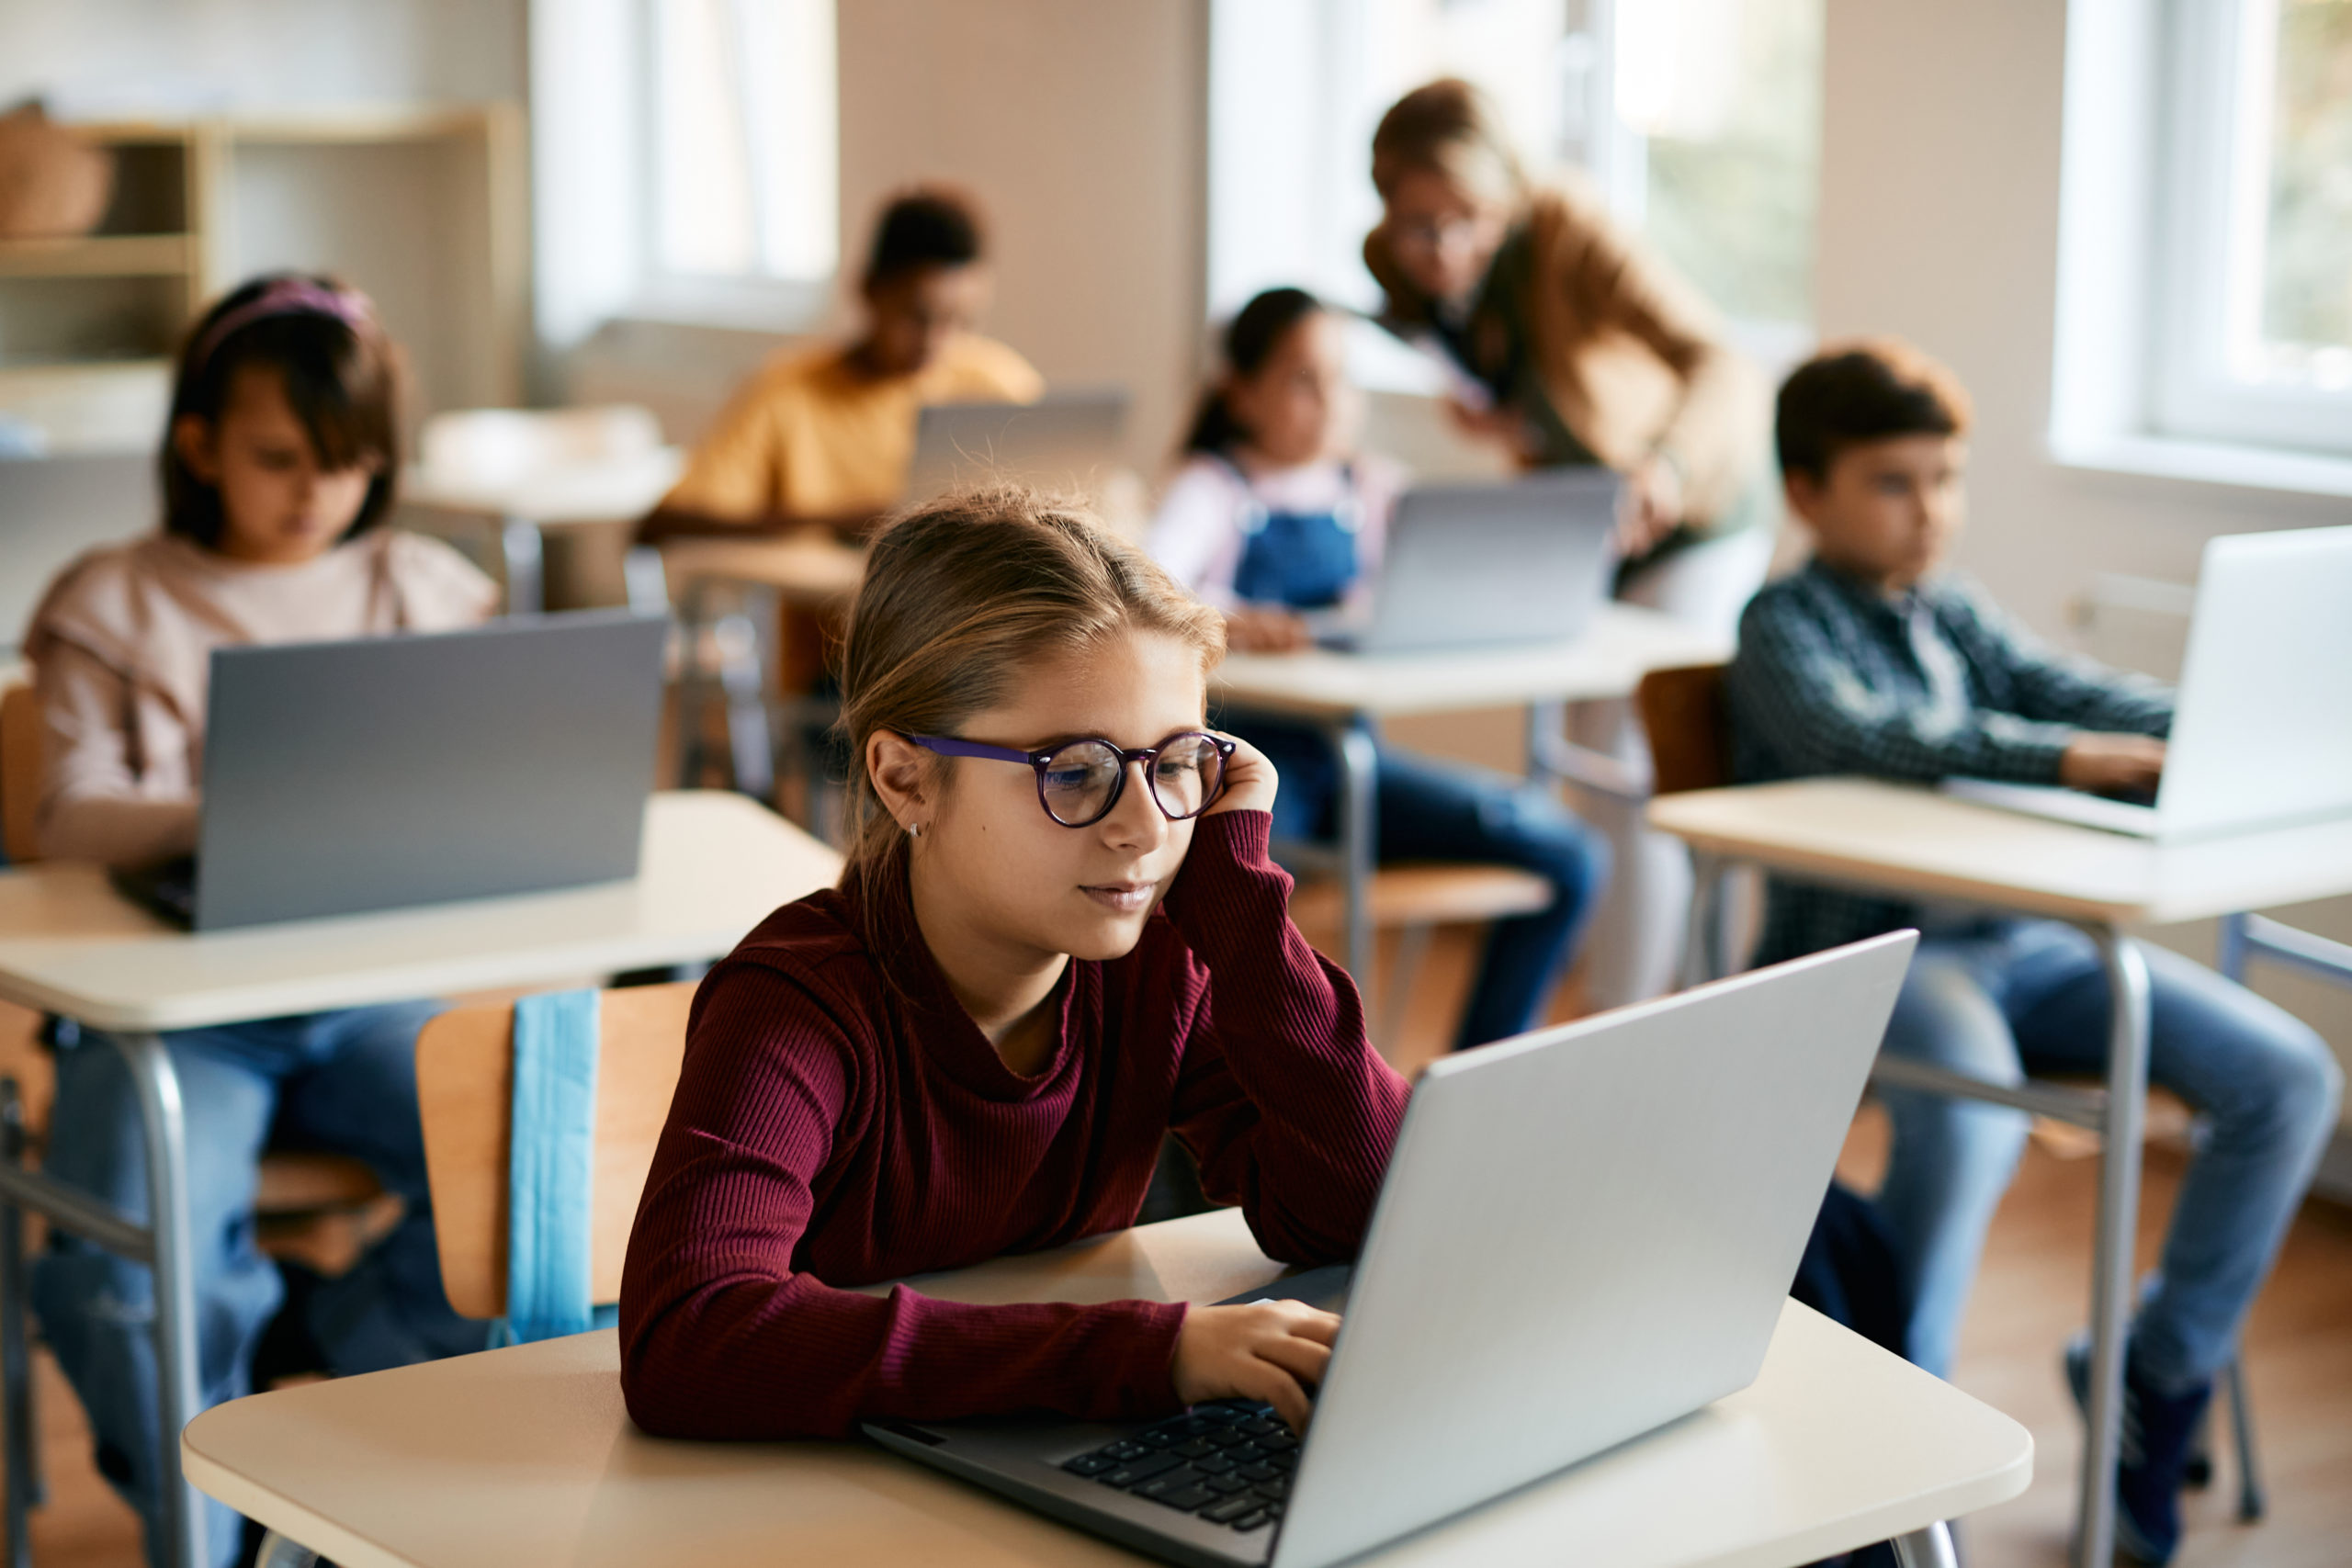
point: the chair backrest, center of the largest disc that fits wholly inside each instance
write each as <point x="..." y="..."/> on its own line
<point x="465" y="1091"/>
<point x="1688" y="727"/>
<point x="20" y="765"/>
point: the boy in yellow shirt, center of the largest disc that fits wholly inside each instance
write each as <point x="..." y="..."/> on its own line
<point x="826" y="435"/>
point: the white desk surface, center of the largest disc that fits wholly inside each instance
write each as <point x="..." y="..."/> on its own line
<point x="1623" y="643"/>
<point x="713" y="865"/>
<point x="1913" y="842"/>
<point x="811" y="568"/>
<point x="613" y="491"/>
<point x="527" y="1456"/>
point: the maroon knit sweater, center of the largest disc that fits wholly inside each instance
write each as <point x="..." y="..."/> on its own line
<point x="833" y="1128"/>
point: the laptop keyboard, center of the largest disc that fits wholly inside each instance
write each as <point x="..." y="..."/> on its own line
<point x="1229" y="1463"/>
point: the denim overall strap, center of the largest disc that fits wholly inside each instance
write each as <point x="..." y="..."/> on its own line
<point x="551" y="1169"/>
<point x="1305" y="559"/>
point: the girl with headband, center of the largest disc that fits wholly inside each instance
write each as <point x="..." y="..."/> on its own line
<point x="278" y="468"/>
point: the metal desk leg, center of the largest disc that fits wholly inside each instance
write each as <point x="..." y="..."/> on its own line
<point x="1929" y="1548"/>
<point x="16" y="1353"/>
<point x="277" y="1551"/>
<point x="743" y="680"/>
<point x="526" y="553"/>
<point x="2119" y="1211"/>
<point x="1702" y="944"/>
<point x="1359" y="836"/>
<point x="175" y="1353"/>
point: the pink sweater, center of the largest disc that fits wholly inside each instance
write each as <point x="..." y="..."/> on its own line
<point x="842" y="1121"/>
<point x="121" y="649"/>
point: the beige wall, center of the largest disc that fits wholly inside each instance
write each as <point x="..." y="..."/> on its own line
<point x="1940" y="222"/>
<point x="1081" y="125"/>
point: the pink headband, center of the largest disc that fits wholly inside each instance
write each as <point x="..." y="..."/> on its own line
<point x="286" y="297"/>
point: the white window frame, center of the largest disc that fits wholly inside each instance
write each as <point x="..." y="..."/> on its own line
<point x="2210" y="228"/>
<point x="2115" y="216"/>
<point x="593" y="198"/>
<point x="1296" y="87"/>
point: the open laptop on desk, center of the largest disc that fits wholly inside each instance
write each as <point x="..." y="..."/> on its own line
<point x="2262" y="734"/>
<point x="416" y="768"/>
<point x="1486" y="565"/>
<point x="1064" y="441"/>
<point x="1584" y="1233"/>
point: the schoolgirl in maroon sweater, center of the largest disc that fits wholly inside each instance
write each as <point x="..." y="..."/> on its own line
<point x="1058" y="936"/>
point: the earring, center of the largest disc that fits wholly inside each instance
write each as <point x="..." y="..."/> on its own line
<point x="914" y="830"/>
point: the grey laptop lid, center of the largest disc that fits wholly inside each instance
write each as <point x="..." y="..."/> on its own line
<point x="1478" y="565"/>
<point x="1065" y="441"/>
<point x="383" y="772"/>
<point x="1584" y="1233"/>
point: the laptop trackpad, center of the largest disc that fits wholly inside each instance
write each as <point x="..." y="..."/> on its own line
<point x="1326" y="1288"/>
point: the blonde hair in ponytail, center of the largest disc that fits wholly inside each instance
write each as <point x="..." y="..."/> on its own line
<point x="961" y="598"/>
<point x="1450" y="128"/>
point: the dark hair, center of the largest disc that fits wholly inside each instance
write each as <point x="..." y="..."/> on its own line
<point x="1250" y="339"/>
<point x="1864" y="390"/>
<point x="341" y="380"/>
<point x="926" y="226"/>
<point x="960" y="597"/>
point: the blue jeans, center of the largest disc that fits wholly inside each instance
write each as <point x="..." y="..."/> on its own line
<point x="342" y="1081"/>
<point x="2031" y="996"/>
<point x="1451" y="812"/>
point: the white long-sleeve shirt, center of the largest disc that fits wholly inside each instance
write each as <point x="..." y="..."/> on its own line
<point x="1200" y="531"/>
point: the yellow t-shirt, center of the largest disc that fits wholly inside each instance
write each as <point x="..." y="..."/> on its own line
<point x="810" y="437"/>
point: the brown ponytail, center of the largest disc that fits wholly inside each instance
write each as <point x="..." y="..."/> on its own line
<point x="961" y="598"/>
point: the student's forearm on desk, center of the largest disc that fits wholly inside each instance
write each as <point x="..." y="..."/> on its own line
<point x="762" y="1358"/>
<point x="1291" y="1111"/>
<point x="123" y="830"/>
<point x="1821" y="718"/>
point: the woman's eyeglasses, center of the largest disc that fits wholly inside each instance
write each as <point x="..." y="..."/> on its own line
<point x="1080" y="781"/>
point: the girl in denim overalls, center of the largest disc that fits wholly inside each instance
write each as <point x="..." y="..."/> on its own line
<point x="1273" y="518"/>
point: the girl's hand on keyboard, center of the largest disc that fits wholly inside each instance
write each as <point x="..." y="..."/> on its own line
<point x="1265" y="1350"/>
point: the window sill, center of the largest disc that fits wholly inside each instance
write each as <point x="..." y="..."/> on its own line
<point x="2243" y="467"/>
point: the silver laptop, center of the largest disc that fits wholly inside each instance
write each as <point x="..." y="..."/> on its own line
<point x="1065" y="441"/>
<point x="1585" y="1233"/>
<point x="383" y="772"/>
<point x="1525" y="561"/>
<point x="2262" y="734"/>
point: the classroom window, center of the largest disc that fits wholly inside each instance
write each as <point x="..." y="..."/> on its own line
<point x="1698" y="118"/>
<point x="743" y="160"/>
<point x="1718" y="105"/>
<point x="2254" y="330"/>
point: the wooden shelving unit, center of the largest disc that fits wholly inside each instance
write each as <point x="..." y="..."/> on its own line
<point x="103" y="256"/>
<point x="422" y="208"/>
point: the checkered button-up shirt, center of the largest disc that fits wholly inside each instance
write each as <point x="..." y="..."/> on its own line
<point x="1833" y="677"/>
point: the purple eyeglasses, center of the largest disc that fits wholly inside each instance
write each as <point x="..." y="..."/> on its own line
<point x="1080" y="781"/>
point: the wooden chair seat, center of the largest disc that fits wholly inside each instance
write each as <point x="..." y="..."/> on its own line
<point x="1426" y="894"/>
<point x="302" y="1181"/>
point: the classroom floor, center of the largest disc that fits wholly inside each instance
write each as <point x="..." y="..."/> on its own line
<point x="2032" y="1294"/>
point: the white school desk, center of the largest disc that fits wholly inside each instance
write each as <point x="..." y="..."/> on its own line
<point x="527" y="1456"/>
<point x="1906" y="842"/>
<point x="1342" y="693"/>
<point x="713" y="865"/>
<point x="576" y="495"/>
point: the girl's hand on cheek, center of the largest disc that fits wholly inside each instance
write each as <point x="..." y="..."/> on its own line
<point x="1269" y="1350"/>
<point x="1250" y="779"/>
